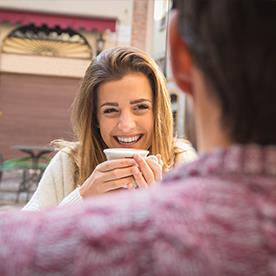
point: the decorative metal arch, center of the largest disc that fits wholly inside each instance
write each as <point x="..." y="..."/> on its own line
<point x="44" y="41"/>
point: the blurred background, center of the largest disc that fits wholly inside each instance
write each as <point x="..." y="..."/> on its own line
<point x="45" y="47"/>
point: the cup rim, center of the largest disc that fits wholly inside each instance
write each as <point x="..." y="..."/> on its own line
<point x="117" y="153"/>
<point x="128" y="150"/>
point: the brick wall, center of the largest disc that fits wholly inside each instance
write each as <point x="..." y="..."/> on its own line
<point x="139" y="23"/>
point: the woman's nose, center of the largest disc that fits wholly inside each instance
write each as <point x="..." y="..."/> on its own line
<point x="126" y="122"/>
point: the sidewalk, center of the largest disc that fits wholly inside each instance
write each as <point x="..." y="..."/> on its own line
<point x="8" y="191"/>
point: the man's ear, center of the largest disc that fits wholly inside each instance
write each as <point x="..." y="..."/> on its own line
<point x="180" y="57"/>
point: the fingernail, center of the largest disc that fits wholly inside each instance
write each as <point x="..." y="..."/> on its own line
<point x="139" y="157"/>
<point x="129" y="186"/>
<point x="133" y="162"/>
<point x="135" y="170"/>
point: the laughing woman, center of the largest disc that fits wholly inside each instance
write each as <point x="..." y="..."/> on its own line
<point x="123" y="102"/>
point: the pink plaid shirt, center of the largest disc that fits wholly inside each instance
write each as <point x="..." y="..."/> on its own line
<point x="216" y="216"/>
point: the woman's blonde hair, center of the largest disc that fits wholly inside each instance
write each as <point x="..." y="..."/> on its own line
<point x="114" y="64"/>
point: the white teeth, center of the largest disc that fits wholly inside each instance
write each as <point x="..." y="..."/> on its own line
<point x="128" y="139"/>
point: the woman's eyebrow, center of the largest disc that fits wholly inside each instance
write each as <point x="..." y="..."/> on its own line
<point x="139" y="101"/>
<point x="107" y="103"/>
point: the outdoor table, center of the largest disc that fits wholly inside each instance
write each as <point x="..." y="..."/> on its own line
<point x="29" y="178"/>
<point x="34" y="151"/>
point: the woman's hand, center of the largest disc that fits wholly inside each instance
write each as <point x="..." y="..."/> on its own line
<point x="109" y="175"/>
<point x="149" y="170"/>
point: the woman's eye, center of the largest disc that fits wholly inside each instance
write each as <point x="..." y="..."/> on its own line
<point x="141" y="107"/>
<point x="109" y="110"/>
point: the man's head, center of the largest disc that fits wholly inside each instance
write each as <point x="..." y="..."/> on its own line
<point x="232" y="44"/>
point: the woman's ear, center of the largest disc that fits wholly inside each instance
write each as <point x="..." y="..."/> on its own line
<point x="180" y="57"/>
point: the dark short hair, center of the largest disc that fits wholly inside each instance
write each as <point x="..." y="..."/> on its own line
<point x="233" y="42"/>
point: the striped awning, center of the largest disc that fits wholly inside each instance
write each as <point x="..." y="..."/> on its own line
<point x="54" y="20"/>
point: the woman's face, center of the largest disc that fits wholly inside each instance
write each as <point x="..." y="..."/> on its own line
<point x="125" y="112"/>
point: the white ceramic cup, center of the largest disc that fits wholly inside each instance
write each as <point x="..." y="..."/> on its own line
<point x="117" y="153"/>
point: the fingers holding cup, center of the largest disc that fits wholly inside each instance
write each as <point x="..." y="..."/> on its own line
<point x="145" y="170"/>
<point x="156" y="165"/>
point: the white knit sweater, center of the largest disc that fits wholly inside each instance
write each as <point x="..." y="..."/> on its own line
<point x="57" y="187"/>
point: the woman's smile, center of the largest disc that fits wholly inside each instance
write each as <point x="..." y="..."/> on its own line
<point x="128" y="140"/>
